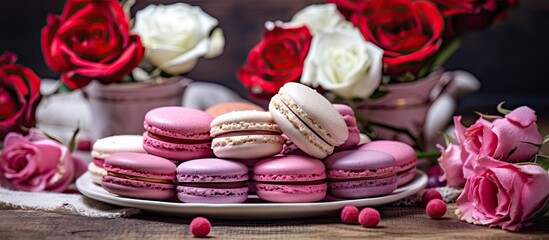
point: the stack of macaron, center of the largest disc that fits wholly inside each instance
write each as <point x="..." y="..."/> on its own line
<point x="104" y="147"/>
<point x="216" y="153"/>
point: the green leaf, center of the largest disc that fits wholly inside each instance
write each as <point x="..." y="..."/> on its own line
<point x="52" y="137"/>
<point x="378" y="94"/>
<point x="502" y="110"/>
<point x="487" y="117"/>
<point x="446" y="53"/>
<point x="126" y="79"/>
<point x="542" y="161"/>
<point x="72" y="142"/>
<point x="545" y="140"/>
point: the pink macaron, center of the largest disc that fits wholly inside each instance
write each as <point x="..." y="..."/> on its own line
<point x="308" y="119"/>
<point x="350" y="120"/>
<point x="403" y="153"/>
<point x="139" y="175"/>
<point x="104" y="147"/>
<point x="360" y="174"/>
<point x="177" y="133"/>
<point x="212" y="180"/>
<point x="245" y="135"/>
<point x="291" y="178"/>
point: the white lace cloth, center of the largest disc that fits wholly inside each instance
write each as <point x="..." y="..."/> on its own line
<point x="449" y="195"/>
<point x="61" y="203"/>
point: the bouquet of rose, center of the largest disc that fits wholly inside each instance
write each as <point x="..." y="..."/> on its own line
<point x="353" y="48"/>
<point x="92" y="40"/>
<point x="498" y="162"/>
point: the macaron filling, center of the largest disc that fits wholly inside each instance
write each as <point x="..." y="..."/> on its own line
<point x="287" y="178"/>
<point x="207" y="193"/>
<point x="286" y="187"/>
<point x="187" y="178"/>
<point x="360" y="183"/>
<point x="177" y="140"/>
<point x="144" y="179"/>
<point x="343" y="174"/>
<point x="135" y="173"/>
<point x="311" y="136"/>
<point x="310" y="122"/>
<point x="176" y="135"/>
<point x="251" y="127"/>
<point x="214" y="184"/>
<point x="406" y="166"/>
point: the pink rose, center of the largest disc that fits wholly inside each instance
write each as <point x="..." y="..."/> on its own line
<point x="517" y="134"/>
<point x="452" y="164"/>
<point x="470" y="141"/>
<point x="512" y="138"/>
<point x="35" y="163"/>
<point x="503" y="194"/>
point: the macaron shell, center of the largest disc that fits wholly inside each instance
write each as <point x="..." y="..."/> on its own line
<point x="212" y="170"/>
<point x="176" y="151"/>
<point x="347" y="113"/>
<point x="140" y="165"/>
<point x="297" y="131"/>
<point x="351" y="142"/>
<point x="211" y="195"/>
<point x="404" y="155"/>
<point x="222" y="108"/>
<point x="96" y="173"/>
<point x="179" y="122"/>
<point x="359" y="164"/>
<point x="363" y="188"/>
<point x="406" y="176"/>
<point x="315" y="111"/>
<point x="243" y="121"/>
<point x="118" y="143"/>
<point x="291" y="168"/>
<point x="291" y="193"/>
<point x="138" y="189"/>
<point x="247" y="147"/>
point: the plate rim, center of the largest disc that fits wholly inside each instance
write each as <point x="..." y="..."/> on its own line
<point x="95" y="192"/>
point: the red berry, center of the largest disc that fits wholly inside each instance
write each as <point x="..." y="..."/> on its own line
<point x="436" y="208"/>
<point x="200" y="227"/>
<point x="349" y="215"/>
<point x="430" y="195"/>
<point x="369" y="217"/>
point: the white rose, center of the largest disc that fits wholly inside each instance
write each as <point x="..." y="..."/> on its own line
<point x="340" y="60"/>
<point x="319" y="17"/>
<point x="176" y="35"/>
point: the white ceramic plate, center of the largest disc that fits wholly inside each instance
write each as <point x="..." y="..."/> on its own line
<point x="255" y="208"/>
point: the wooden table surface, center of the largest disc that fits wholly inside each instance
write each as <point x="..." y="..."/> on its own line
<point x="396" y="222"/>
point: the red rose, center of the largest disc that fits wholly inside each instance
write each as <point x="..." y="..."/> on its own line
<point x="348" y="7"/>
<point x="276" y="60"/>
<point x="19" y="96"/>
<point x="484" y="13"/>
<point x="408" y="31"/>
<point x="90" y="40"/>
<point x="450" y="8"/>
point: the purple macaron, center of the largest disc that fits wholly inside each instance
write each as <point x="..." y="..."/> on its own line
<point x="212" y="180"/>
<point x="139" y="175"/>
<point x="404" y="155"/>
<point x="360" y="174"/>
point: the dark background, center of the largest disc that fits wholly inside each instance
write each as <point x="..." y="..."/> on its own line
<point x="511" y="59"/>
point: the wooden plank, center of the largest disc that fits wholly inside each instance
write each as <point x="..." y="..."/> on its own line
<point x="397" y="222"/>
